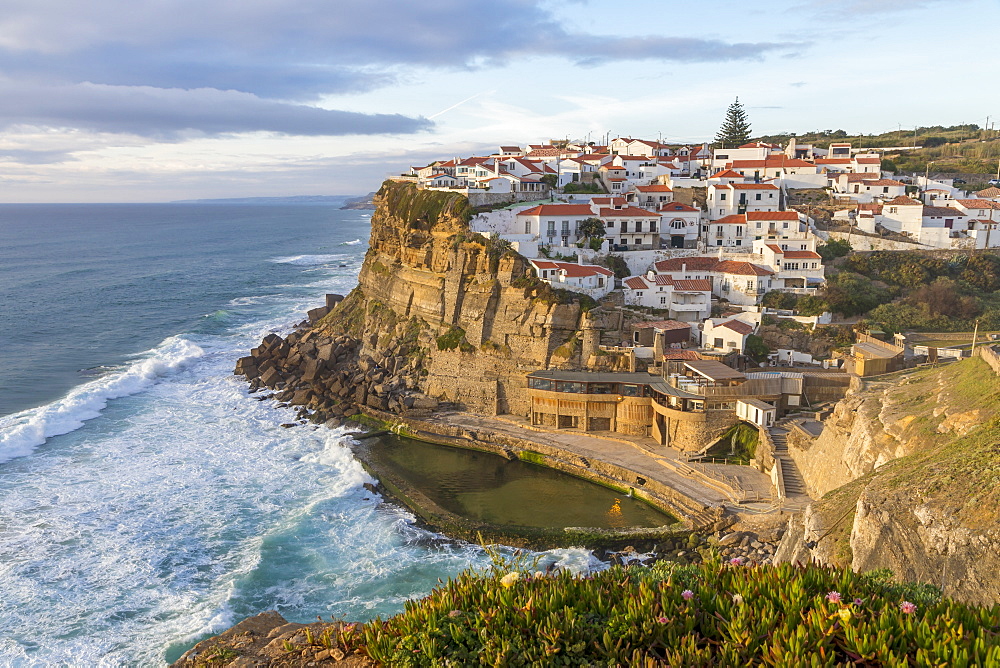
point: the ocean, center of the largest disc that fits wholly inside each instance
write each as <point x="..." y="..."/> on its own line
<point x="146" y="499"/>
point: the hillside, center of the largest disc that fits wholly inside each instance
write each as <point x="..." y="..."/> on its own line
<point x="910" y="469"/>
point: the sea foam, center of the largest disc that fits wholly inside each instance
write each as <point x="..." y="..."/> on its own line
<point x="22" y="432"/>
<point x="310" y="260"/>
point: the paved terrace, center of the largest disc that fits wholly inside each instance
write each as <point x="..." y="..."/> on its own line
<point x="662" y="464"/>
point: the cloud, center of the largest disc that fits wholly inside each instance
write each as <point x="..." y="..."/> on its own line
<point x="849" y="8"/>
<point x="170" y="113"/>
<point x="300" y="49"/>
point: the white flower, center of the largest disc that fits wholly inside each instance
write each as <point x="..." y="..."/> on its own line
<point x="510" y="579"/>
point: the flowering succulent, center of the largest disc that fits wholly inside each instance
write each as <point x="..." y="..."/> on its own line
<point x="510" y="579"/>
<point x="907" y="607"/>
<point x="687" y="594"/>
<point x="736" y="561"/>
<point x="834" y="597"/>
<point x="844" y="614"/>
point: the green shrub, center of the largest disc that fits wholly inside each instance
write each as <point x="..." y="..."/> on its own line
<point x="713" y="614"/>
<point x="451" y="339"/>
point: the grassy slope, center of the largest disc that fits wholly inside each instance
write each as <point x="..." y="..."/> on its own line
<point x="961" y="473"/>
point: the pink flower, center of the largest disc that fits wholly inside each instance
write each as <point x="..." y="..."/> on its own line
<point x="833" y="597"/>
<point x="662" y="620"/>
<point x="736" y="561"/>
<point x="858" y="601"/>
<point x="908" y="608"/>
<point x="687" y="594"/>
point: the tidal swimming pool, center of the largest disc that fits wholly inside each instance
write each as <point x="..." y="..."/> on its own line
<point x="489" y="488"/>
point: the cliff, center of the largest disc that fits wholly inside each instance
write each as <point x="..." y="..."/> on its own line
<point x="439" y="315"/>
<point x="909" y="469"/>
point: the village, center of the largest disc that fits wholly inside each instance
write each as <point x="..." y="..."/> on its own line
<point x="693" y="238"/>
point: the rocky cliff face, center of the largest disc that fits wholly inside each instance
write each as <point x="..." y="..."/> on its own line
<point x="439" y="314"/>
<point x="910" y="471"/>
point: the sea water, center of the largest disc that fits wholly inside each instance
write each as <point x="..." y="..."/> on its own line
<point x="146" y="499"/>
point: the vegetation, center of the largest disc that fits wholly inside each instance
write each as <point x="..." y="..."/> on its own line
<point x="420" y="209"/>
<point x="735" y="128"/>
<point x="756" y="349"/>
<point x="454" y="338"/>
<point x="834" y="248"/>
<point x="725" y="614"/>
<point x="583" y="188"/>
<point x="738" y="444"/>
<point x="617" y="264"/>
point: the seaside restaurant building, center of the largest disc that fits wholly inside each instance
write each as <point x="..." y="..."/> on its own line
<point x="684" y="411"/>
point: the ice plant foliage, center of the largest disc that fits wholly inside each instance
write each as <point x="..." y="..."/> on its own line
<point x="794" y="615"/>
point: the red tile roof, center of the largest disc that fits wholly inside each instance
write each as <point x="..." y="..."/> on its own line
<point x="868" y="161"/>
<point x="628" y="212"/>
<point x="681" y="355"/>
<point x="753" y="186"/>
<point x="572" y="269"/>
<point x="941" y="211"/>
<point x="775" y="248"/>
<point x="636" y="283"/>
<point x="665" y="325"/>
<point x="741" y="268"/>
<point x="677" y="206"/>
<point x="989" y="192"/>
<point x="903" y="200"/>
<point x="772" y="215"/>
<point x="693" y="285"/>
<point x="801" y="255"/>
<point x="979" y="203"/>
<point x="687" y="264"/>
<point x="558" y="210"/>
<point x="726" y="174"/>
<point x="883" y="182"/>
<point x="733" y="219"/>
<point x="654" y="189"/>
<point x="738" y="326"/>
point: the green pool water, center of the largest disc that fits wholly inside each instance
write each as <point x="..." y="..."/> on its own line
<point x="489" y="488"/>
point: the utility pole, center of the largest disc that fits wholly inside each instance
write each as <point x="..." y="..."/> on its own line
<point x="975" y="335"/>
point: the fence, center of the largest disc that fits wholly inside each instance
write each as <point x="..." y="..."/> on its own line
<point x="991" y="355"/>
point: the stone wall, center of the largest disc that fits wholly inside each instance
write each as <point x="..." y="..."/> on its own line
<point x="990" y="355"/>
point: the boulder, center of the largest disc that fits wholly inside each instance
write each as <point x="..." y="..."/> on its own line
<point x="317" y="313"/>
<point x="271" y="377"/>
<point x="301" y="398"/>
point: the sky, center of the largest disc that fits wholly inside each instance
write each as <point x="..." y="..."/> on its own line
<point x="160" y="100"/>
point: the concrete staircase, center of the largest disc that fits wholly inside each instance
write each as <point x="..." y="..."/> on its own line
<point x="795" y="487"/>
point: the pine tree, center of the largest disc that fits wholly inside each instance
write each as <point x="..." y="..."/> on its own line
<point x="735" y="129"/>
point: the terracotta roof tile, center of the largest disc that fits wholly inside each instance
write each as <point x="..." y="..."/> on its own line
<point x="741" y="268"/>
<point x="558" y="210"/>
<point x="636" y="283"/>
<point x="941" y="211"/>
<point x="681" y="355"/>
<point x="687" y="263"/>
<point x="693" y="285"/>
<point x="665" y="325"/>
<point x="738" y="326"/>
<point x="732" y="219"/>
<point x="772" y="215"/>
<point x="903" y="200"/>
<point x="801" y="255"/>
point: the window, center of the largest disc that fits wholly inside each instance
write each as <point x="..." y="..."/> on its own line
<point x="718" y="242"/>
<point x="611" y="224"/>
<point x="758" y="196"/>
<point x="638" y="226"/>
<point x="892" y="209"/>
<point x="552" y="228"/>
<point x="527" y="227"/>
<point x="784" y="247"/>
<point x="565" y="227"/>
<point x="739" y="242"/>
<point x="770" y="195"/>
<point x="663" y="300"/>
<point x="722" y="197"/>
<point x="540" y="383"/>
<point x="722" y="211"/>
<point x="885" y="189"/>
<point x="719" y="156"/>
<point x="624" y="226"/>
<point x="784" y="226"/>
<point x="631" y="390"/>
<point x="758" y="226"/>
<point x="813" y="265"/>
<point x="949" y="222"/>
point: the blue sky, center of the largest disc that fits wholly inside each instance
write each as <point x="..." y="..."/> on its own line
<point x="178" y="99"/>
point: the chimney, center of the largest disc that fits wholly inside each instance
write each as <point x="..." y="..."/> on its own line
<point x="684" y="267"/>
<point x="579" y="257"/>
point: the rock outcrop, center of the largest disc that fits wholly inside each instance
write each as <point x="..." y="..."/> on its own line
<point x="439" y="315"/>
<point x="910" y="470"/>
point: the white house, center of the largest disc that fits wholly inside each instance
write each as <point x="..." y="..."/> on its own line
<point x="631" y="228"/>
<point x="725" y="199"/>
<point x="553" y="224"/>
<point x="775" y="224"/>
<point x="981" y="209"/>
<point x="587" y="279"/>
<point x="756" y="412"/>
<point x="679" y="225"/>
<point x="867" y="188"/>
<point x="652" y="196"/>
<point x="728" y="335"/>
<point x="901" y="214"/>
<point x="686" y="301"/>
<point x="737" y="281"/>
<point x="793" y="269"/>
<point x="729" y="232"/>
